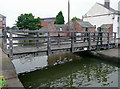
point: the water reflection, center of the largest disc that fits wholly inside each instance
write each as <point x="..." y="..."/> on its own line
<point x="30" y="64"/>
<point x="84" y="72"/>
<point x="34" y="63"/>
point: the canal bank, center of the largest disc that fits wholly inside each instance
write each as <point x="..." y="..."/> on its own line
<point x="112" y="55"/>
<point x="7" y="70"/>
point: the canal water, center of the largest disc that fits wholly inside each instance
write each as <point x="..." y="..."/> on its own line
<point x="66" y="70"/>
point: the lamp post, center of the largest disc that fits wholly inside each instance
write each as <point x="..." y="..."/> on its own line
<point x="68" y="15"/>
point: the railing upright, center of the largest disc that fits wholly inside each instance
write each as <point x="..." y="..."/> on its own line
<point x="72" y="42"/>
<point x="108" y="40"/>
<point x="4" y="40"/>
<point x="114" y="38"/>
<point x="11" y="45"/>
<point x="49" y="45"/>
<point x="58" y="39"/>
<point x="89" y="41"/>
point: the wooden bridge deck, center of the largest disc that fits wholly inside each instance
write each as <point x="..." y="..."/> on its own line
<point x="22" y="50"/>
<point x="55" y="42"/>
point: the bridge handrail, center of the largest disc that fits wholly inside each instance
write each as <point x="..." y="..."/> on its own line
<point x="39" y="31"/>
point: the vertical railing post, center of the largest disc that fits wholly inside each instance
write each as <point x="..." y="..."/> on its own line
<point x="93" y="36"/>
<point x="4" y="40"/>
<point x="58" y="38"/>
<point x="101" y="37"/>
<point x="11" y="45"/>
<point x="89" y="41"/>
<point x="74" y="36"/>
<point x="37" y="41"/>
<point x="49" y="45"/>
<point x="72" y="42"/>
<point x="115" y="39"/>
<point x="108" y="40"/>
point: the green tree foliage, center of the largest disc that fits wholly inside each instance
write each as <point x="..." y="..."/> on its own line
<point x="28" y="21"/>
<point x="8" y="28"/>
<point x="74" y="19"/>
<point x="59" y="18"/>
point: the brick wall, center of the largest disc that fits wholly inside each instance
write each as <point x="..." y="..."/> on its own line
<point x="45" y="23"/>
<point x="1" y="25"/>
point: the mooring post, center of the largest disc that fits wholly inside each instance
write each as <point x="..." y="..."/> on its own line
<point x="89" y="41"/>
<point x="11" y="45"/>
<point x="49" y="45"/>
<point x="108" y="40"/>
<point x="72" y="42"/>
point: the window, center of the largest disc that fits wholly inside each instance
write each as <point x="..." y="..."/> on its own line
<point x="48" y="20"/>
<point x="118" y="20"/>
<point x="118" y="30"/>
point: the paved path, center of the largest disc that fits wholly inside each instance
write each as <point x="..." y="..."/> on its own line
<point x="111" y="52"/>
<point x="7" y="70"/>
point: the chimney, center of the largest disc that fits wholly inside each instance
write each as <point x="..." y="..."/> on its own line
<point x="119" y="6"/>
<point x="107" y="4"/>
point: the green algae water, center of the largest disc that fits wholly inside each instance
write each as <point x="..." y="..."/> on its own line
<point x="66" y="70"/>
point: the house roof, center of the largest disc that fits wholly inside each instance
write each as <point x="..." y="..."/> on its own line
<point x="111" y="9"/>
<point x="85" y="24"/>
<point x="106" y="26"/>
<point x="64" y="26"/>
<point x="44" y="29"/>
<point x="2" y="16"/>
<point x="48" y="18"/>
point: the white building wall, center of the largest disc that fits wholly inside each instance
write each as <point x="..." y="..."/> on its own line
<point x="100" y="20"/>
<point x="97" y="10"/>
<point x="0" y="19"/>
<point x="96" y="16"/>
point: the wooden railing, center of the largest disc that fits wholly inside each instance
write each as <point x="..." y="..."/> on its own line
<point x="50" y="41"/>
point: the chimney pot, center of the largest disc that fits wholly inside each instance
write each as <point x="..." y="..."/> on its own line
<point x="107" y="4"/>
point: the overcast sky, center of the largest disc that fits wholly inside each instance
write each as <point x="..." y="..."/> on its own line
<point x="47" y="8"/>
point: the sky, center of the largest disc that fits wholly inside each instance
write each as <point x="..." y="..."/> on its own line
<point x="47" y="8"/>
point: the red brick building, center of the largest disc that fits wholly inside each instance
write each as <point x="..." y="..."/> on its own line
<point x="107" y="28"/>
<point x="76" y="26"/>
<point x="45" y="21"/>
<point x="82" y="25"/>
<point x="2" y="22"/>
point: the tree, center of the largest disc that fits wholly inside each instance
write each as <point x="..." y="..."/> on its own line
<point x="59" y="18"/>
<point x="74" y="19"/>
<point x="28" y="21"/>
<point x="7" y="28"/>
